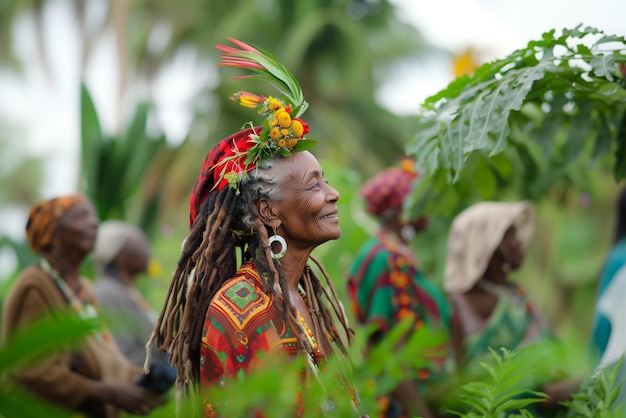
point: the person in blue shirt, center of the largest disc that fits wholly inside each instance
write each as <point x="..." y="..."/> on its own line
<point x="607" y="339"/>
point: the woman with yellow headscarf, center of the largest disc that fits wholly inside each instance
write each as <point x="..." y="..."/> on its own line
<point x="94" y="378"/>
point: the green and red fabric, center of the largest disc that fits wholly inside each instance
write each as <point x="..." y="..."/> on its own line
<point x="385" y="287"/>
<point x="213" y="166"/>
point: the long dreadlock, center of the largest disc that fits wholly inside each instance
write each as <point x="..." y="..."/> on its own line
<point x="228" y="221"/>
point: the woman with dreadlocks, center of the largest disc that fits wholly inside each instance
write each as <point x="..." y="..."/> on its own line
<point x="260" y="198"/>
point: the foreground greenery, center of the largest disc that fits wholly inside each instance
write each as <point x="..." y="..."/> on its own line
<point x="506" y="387"/>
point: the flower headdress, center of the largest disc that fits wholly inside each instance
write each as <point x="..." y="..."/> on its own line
<point x="282" y="131"/>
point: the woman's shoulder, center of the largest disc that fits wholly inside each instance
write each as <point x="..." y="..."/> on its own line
<point x="32" y="277"/>
<point x="374" y="248"/>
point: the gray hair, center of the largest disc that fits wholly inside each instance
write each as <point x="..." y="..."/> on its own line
<point x="264" y="181"/>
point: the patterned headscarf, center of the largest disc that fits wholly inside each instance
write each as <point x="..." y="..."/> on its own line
<point x="476" y="233"/>
<point x="44" y="218"/>
<point x="216" y="163"/>
<point x="388" y="188"/>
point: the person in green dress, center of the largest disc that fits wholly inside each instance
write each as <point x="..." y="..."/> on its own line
<point x="487" y="241"/>
<point x="387" y="286"/>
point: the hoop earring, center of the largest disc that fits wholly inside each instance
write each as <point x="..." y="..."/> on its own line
<point x="283" y="245"/>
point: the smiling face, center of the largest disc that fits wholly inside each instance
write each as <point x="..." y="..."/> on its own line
<point x="78" y="228"/>
<point x="308" y="209"/>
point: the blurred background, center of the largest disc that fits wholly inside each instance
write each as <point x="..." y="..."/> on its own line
<point x="122" y="100"/>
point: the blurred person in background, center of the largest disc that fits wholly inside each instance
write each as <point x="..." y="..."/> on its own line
<point x="387" y="286"/>
<point x="93" y="378"/>
<point x="486" y="242"/>
<point x="609" y="322"/>
<point x="608" y="336"/>
<point x="121" y="256"/>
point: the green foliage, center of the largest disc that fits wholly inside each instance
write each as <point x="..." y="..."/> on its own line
<point x="338" y="50"/>
<point x="531" y="121"/>
<point x="501" y="396"/>
<point x="30" y="345"/>
<point x="597" y="396"/>
<point x="114" y="168"/>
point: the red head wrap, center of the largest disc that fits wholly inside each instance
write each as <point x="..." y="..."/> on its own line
<point x="216" y="164"/>
<point x="387" y="189"/>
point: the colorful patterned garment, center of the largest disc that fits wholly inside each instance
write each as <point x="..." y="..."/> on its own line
<point x="242" y="326"/>
<point x="386" y="286"/>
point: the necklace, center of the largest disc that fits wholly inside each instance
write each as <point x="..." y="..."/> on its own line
<point x="316" y="354"/>
<point x="84" y="305"/>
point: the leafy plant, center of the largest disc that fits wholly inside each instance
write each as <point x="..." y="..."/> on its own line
<point x="597" y="395"/>
<point x="113" y="168"/>
<point x="29" y="345"/>
<point x="535" y="119"/>
<point x="502" y="396"/>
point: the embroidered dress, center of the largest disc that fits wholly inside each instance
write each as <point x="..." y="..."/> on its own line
<point x="242" y="327"/>
<point x="386" y="286"/>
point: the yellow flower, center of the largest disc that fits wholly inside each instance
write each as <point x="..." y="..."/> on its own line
<point x="273" y="104"/>
<point x="284" y="132"/>
<point x="247" y="99"/>
<point x="248" y="102"/>
<point x="297" y="128"/>
<point x="274" y="122"/>
<point x="407" y="165"/>
<point x="274" y="134"/>
<point x="154" y="268"/>
<point x="291" y="143"/>
<point x="284" y="120"/>
<point x="281" y="143"/>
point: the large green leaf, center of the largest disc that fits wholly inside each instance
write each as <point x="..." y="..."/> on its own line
<point x="558" y="101"/>
<point x="58" y="332"/>
<point x="91" y="141"/>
